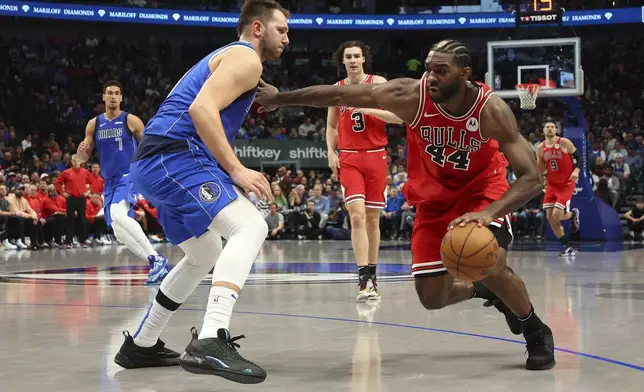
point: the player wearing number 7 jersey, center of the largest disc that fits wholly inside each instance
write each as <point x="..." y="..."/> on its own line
<point x="115" y="134"/>
<point x="361" y="165"/>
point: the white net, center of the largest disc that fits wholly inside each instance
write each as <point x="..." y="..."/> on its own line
<point x="528" y="95"/>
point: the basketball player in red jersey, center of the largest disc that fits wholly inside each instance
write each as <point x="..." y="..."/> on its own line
<point x="457" y="130"/>
<point x="563" y="162"/>
<point x="361" y="165"/>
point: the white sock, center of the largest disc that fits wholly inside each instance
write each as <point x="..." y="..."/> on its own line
<point x="221" y="302"/>
<point x="129" y="232"/>
<point x="153" y="323"/>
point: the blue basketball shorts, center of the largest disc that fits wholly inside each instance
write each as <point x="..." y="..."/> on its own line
<point x="187" y="188"/>
<point x="117" y="190"/>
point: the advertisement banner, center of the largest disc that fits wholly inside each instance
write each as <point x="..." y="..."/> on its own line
<point x="267" y="152"/>
<point x="495" y="20"/>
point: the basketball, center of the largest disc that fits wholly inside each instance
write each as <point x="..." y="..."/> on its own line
<point x="469" y="252"/>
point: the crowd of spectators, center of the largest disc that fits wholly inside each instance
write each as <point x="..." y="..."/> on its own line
<point x="48" y="101"/>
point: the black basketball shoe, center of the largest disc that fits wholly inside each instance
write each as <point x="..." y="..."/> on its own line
<point x="513" y="321"/>
<point x="131" y="356"/>
<point x="540" y="346"/>
<point x="218" y="356"/>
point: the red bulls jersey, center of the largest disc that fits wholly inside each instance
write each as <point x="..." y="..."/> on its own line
<point x="357" y="131"/>
<point x="558" y="162"/>
<point x="448" y="157"/>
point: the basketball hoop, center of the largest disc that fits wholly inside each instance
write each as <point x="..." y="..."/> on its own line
<point x="528" y="95"/>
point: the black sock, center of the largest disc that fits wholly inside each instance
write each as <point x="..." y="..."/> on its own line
<point x="363" y="273"/>
<point x="531" y="323"/>
<point x="564" y="241"/>
<point x="372" y="271"/>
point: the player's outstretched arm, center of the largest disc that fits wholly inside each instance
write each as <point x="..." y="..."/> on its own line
<point x="87" y="145"/>
<point x="399" y="96"/>
<point x="136" y="126"/>
<point x="238" y="70"/>
<point x="500" y="124"/>
<point x="355" y="95"/>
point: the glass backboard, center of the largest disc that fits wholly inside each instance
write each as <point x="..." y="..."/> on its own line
<point x="554" y="63"/>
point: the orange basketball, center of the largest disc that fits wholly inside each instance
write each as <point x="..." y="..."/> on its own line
<point x="469" y="252"/>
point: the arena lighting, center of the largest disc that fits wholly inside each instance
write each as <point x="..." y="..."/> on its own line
<point x="494" y="20"/>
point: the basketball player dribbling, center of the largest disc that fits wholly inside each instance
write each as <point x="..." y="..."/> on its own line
<point x="115" y="135"/>
<point x="563" y="162"/>
<point x="361" y="165"/>
<point x="457" y="130"/>
<point x="186" y="166"/>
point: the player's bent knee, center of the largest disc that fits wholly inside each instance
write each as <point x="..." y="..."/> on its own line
<point x="202" y="253"/>
<point x="119" y="211"/>
<point x="557" y="214"/>
<point x="240" y="218"/>
<point x="433" y="290"/>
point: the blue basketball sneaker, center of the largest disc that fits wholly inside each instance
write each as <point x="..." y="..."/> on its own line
<point x="158" y="269"/>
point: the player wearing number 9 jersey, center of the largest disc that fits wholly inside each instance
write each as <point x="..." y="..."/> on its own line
<point x="115" y="134"/>
<point x="362" y="165"/>
<point x="562" y="160"/>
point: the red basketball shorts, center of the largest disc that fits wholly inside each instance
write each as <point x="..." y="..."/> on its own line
<point x="363" y="175"/>
<point x="559" y="195"/>
<point x="431" y="225"/>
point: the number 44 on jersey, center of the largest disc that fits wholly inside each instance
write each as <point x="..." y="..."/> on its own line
<point x="446" y="146"/>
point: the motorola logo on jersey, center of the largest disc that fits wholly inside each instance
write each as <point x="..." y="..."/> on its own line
<point x="472" y="125"/>
<point x="209" y="192"/>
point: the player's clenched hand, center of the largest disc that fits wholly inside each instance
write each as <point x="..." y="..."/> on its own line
<point x="265" y="96"/>
<point x="253" y="181"/>
<point x="83" y="152"/>
<point x="482" y="218"/>
<point x="334" y="162"/>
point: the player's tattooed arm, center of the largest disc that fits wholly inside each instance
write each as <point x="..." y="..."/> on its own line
<point x="136" y="126"/>
<point x="500" y="124"/>
<point x="397" y="96"/>
<point x="87" y="145"/>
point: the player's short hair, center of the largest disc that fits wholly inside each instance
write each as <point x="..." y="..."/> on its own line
<point x="112" y="83"/>
<point x="258" y="9"/>
<point x="462" y="55"/>
<point x="338" y="55"/>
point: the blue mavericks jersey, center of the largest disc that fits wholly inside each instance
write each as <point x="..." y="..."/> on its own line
<point x="115" y="144"/>
<point x="173" y="121"/>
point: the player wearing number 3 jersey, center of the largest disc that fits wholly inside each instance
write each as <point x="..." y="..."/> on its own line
<point x="361" y="164"/>
<point x="562" y="160"/>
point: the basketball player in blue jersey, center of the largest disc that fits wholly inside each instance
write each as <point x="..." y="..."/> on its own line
<point x="186" y="166"/>
<point x="115" y="134"/>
